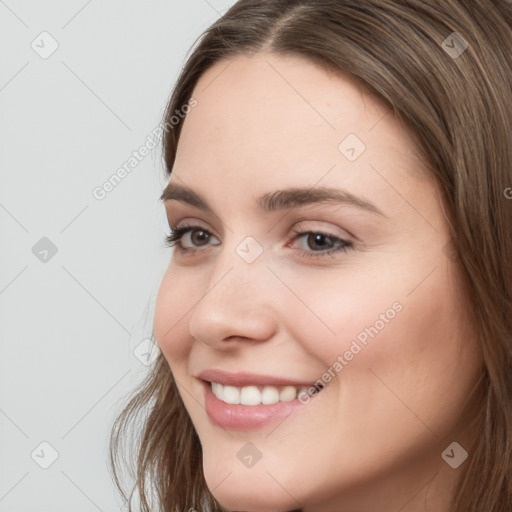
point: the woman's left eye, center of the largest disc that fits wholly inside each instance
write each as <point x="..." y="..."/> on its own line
<point x="189" y="239"/>
<point x="322" y="243"/>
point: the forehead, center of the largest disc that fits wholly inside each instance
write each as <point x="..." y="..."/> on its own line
<point x="273" y="117"/>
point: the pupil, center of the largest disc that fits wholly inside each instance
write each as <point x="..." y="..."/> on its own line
<point x="199" y="236"/>
<point x="318" y="240"/>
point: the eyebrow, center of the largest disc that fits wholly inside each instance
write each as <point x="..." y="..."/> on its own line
<point x="285" y="199"/>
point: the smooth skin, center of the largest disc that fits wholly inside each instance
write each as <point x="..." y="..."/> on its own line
<point x="373" y="438"/>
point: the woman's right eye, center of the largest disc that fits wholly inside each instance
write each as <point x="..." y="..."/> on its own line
<point x="188" y="238"/>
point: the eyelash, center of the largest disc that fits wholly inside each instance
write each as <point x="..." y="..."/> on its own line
<point x="173" y="240"/>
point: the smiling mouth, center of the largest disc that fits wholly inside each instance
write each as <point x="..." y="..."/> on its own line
<point x="260" y="395"/>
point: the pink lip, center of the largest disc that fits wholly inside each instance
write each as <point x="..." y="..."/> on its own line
<point x="247" y="379"/>
<point x="245" y="417"/>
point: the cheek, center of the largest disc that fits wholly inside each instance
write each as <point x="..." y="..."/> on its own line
<point x="343" y="311"/>
<point x="387" y="345"/>
<point x="173" y="302"/>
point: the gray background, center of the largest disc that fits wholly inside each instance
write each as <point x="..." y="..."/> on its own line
<point x="73" y="323"/>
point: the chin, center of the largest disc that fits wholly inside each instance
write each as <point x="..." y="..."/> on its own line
<point x="245" y="491"/>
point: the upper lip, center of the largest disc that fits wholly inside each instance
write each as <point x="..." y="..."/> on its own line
<point x="242" y="379"/>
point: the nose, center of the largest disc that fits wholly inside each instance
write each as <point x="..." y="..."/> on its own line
<point x="235" y="306"/>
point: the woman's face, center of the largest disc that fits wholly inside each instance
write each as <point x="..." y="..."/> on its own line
<point x="277" y="289"/>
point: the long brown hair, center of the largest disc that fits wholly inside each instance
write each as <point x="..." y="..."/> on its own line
<point x="457" y="103"/>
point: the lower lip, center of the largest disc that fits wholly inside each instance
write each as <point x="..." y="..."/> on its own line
<point x="245" y="417"/>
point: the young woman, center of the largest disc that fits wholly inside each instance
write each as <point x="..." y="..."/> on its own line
<point x="335" y="322"/>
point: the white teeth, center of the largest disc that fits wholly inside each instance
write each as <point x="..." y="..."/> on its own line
<point x="288" y="393"/>
<point x="270" y="395"/>
<point x="231" y="395"/>
<point x="250" y="395"/>
<point x="254" y="395"/>
<point x="217" y="389"/>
